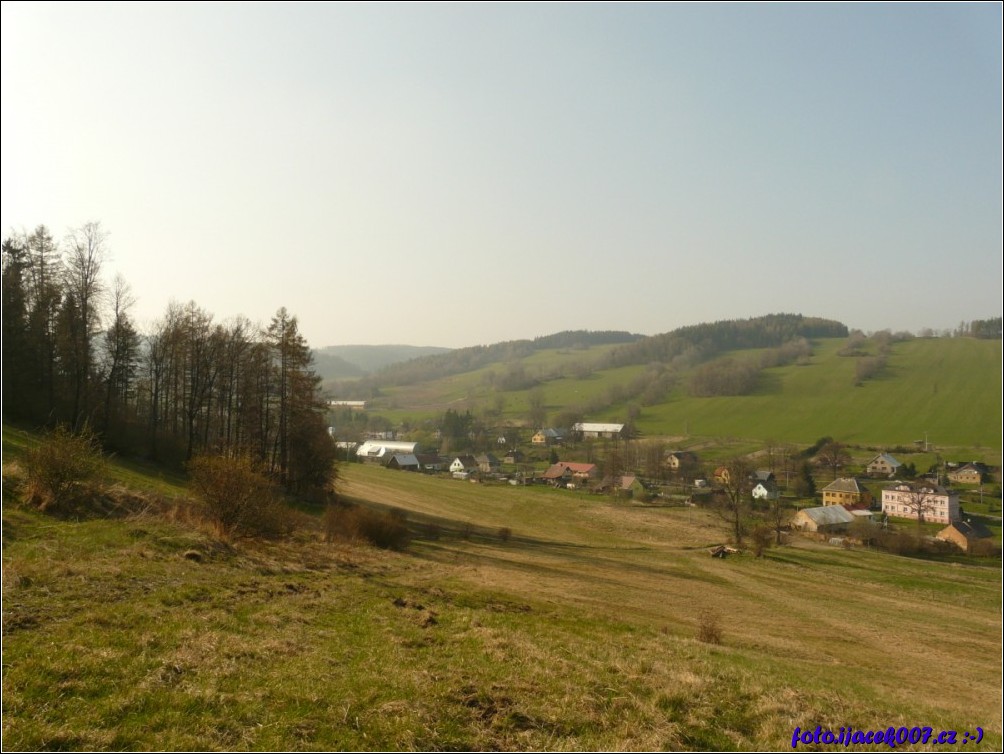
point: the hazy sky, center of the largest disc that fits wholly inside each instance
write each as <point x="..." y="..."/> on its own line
<point x="463" y="174"/>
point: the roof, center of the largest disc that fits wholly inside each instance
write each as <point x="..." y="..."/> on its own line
<point x="845" y="485"/>
<point x="551" y="432"/>
<point x="587" y="427"/>
<point x="379" y="448"/>
<point x="405" y="459"/>
<point x="827" y="515"/>
<point x="885" y="458"/>
<point x="969" y="529"/>
<point x="557" y="471"/>
<point x="928" y="489"/>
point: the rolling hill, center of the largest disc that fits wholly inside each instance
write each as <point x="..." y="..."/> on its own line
<point x="947" y="390"/>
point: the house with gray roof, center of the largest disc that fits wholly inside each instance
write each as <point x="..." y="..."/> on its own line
<point x="883" y="465"/>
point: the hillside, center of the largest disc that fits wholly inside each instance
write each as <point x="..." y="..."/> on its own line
<point x="339" y="362"/>
<point x="518" y="618"/>
<point x="945" y="389"/>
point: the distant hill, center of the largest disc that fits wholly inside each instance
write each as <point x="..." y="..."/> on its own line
<point x="346" y="362"/>
<point x="784" y="377"/>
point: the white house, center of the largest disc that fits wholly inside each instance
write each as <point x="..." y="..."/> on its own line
<point x="765" y="490"/>
<point x="932" y="502"/>
<point x="464" y="463"/>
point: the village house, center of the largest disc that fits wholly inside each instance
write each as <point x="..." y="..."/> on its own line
<point x="765" y="490"/>
<point x="404" y="462"/>
<point x="883" y="465"/>
<point x="563" y="473"/>
<point x="824" y="519"/>
<point x="488" y="463"/>
<point x="677" y="459"/>
<point x="964" y="534"/>
<point x="930" y="501"/>
<point x="464" y="464"/>
<point x="430" y="461"/>
<point x="557" y="475"/>
<point x="971" y="473"/>
<point x="625" y="486"/>
<point x="847" y="492"/>
<point x="515" y="456"/>
<point x="548" y="436"/>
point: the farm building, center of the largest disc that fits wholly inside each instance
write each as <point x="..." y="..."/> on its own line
<point x="825" y="519"/>
<point x="381" y="450"/>
<point x="591" y="431"/>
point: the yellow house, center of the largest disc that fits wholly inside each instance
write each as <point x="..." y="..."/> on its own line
<point x="847" y="492"/>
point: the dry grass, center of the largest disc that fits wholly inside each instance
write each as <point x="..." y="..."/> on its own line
<point x="576" y="633"/>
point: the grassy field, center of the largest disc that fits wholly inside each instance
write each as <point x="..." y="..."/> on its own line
<point x="945" y="389"/>
<point x="518" y="618"/>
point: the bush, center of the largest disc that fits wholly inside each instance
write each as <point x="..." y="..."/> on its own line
<point x="709" y="628"/>
<point x="62" y="471"/>
<point x="762" y="536"/>
<point x="239" y="498"/>
<point x="353" y="522"/>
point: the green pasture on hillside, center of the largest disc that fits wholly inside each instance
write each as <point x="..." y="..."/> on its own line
<point x="947" y="390"/>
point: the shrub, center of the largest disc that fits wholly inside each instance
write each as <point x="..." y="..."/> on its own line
<point x="709" y="627"/>
<point x="62" y="471"/>
<point x="239" y="498"/>
<point x="388" y="530"/>
<point x="762" y="537"/>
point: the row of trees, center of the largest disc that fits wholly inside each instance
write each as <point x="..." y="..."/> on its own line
<point x="73" y="355"/>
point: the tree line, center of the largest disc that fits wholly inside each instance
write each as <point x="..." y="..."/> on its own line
<point x="73" y="355"/>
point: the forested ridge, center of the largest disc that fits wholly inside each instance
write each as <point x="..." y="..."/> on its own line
<point x="192" y="385"/>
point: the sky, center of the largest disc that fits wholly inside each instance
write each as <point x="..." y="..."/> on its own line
<point x="463" y="174"/>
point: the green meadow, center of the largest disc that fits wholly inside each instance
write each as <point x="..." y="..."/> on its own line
<point x="517" y="618"/>
<point x="947" y="390"/>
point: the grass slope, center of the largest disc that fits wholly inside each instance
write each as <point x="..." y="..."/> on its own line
<point x="947" y="389"/>
<point x="574" y="631"/>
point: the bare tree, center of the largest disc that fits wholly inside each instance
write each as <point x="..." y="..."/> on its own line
<point x="834" y="455"/>
<point x="86" y="251"/>
<point x="538" y="410"/>
<point x="919" y="500"/>
<point x="734" y="503"/>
